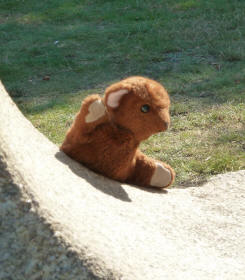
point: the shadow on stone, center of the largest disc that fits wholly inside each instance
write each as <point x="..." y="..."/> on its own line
<point x="117" y="191"/>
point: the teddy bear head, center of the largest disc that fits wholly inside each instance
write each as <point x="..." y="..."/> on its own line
<point x="140" y="105"/>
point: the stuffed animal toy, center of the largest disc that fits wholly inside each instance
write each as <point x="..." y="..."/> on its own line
<point x="106" y="132"/>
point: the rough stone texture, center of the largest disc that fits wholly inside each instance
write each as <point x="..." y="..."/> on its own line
<point x="62" y="221"/>
<point x="29" y="249"/>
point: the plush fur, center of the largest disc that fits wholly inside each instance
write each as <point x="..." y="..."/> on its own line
<point x="106" y="132"/>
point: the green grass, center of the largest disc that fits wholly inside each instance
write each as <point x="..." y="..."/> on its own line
<point x="195" y="48"/>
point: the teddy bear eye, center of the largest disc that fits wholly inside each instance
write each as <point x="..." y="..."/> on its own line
<point x="145" y="108"/>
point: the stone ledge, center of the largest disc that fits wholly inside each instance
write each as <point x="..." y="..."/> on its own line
<point x="118" y="231"/>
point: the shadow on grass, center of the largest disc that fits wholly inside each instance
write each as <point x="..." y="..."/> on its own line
<point x="197" y="183"/>
<point x="71" y="46"/>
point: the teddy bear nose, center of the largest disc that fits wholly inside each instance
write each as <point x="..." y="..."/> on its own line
<point x="165" y="125"/>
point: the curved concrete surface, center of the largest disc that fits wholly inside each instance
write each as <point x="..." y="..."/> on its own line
<point x="124" y="232"/>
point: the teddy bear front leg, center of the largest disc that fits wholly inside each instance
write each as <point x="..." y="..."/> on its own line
<point x="149" y="172"/>
<point x="162" y="175"/>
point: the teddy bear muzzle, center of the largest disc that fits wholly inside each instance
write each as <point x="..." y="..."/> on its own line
<point x="166" y="125"/>
<point x="163" y="126"/>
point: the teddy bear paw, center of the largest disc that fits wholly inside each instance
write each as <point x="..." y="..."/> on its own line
<point x="96" y="110"/>
<point x="162" y="176"/>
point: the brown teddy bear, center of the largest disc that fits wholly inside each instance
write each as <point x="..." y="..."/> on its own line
<point x="106" y="132"/>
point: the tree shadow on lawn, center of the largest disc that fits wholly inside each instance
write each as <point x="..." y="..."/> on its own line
<point x="82" y="46"/>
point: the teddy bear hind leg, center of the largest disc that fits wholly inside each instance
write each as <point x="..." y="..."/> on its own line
<point x="92" y="113"/>
<point x="151" y="173"/>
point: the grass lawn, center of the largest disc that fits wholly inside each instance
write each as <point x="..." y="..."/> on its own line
<point x="54" y="53"/>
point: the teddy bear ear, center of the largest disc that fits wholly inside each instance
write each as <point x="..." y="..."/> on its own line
<point x="114" y="97"/>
